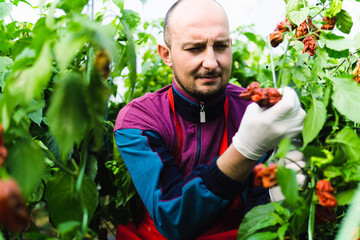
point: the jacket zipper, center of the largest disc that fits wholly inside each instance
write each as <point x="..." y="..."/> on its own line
<point x="198" y="142"/>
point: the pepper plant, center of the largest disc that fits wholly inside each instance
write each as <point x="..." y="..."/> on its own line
<point x="56" y="77"/>
<point x="320" y="63"/>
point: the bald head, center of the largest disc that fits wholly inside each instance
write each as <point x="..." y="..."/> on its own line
<point x="184" y="10"/>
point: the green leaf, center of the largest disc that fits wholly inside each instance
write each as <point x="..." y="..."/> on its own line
<point x="37" y="194"/>
<point x="52" y="147"/>
<point x="336" y="54"/>
<point x="68" y="229"/>
<point x="344" y="198"/>
<point x="318" y="64"/>
<point x="283" y="147"/>
<point x="131" y="57"/>
<point x="314" y="121"/>
<point x="72" y="5"/>
<point x="35" y="112"/>
<point x="346" y="97"/>
<point x="286" y="76"/>
<point x="64" y="203"/>
<point x="334" y="9"/>
<point x="282" y="230"/>
<point x="257" y="219"/>
<point x="119" y="4"/>
<point x="351" y="220"/>
<point x="29" y="83"/>
<point x="293" y="5"/>
<point x="338" y="43"/>
<point x="5" y="67"/>
<point x="5" y="9"/>
<point x="344" y="21"/>
<point x="26" y="163"/>
<point x="351" y="141"/>
<point x="263" y="236"/>
<point x="100" y="34"/>
<point x="298" y="16"/>
<point x="72" y="43"/>
<point x="67" y="114"/>
<point x="289" y="187"/>
<point x="332" y="172"/>
<point x="97" y="96"/>
<point x="300" y="74"/>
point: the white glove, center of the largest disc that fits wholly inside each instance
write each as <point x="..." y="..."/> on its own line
<point x="294" y="160"/>
<point x="262" y="129"/>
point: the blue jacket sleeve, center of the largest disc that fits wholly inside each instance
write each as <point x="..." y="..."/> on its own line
<point x="182" y="208"/>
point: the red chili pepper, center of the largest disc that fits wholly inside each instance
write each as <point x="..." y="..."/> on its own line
<point x="257" y="172"/>
<point x="269" y="176"/>
<point x="13" y="212"/>
<point x="325" y="192"/>
<point x="265" y="97"/>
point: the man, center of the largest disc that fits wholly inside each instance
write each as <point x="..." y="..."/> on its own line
<point x="171" y="140"/>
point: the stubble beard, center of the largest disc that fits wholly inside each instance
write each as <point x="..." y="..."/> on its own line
<point x="201" y="95"/>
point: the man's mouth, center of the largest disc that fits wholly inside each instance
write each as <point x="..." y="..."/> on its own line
<point x="207" y="76"/>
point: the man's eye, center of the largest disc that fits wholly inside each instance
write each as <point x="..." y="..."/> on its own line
<point x="194" y="49"/>
<point x="221" y="47"/>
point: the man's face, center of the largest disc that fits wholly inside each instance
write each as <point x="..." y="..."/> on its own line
<point x="200" y="52"/>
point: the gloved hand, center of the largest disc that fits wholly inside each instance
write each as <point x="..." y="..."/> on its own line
<point x="294" y="160"/>
<point x="262" y="129"/>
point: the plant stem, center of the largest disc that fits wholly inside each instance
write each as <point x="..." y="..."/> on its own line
<point x="83" y="161"/>
<point x="272" y="64"/>
<point x="283" y="64"/>
<point x="312" y="208"/>
<point x="64" y="168"/>
<point x="321" y="10"/>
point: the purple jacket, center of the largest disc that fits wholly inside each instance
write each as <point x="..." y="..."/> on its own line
<point x="183" y="199"/>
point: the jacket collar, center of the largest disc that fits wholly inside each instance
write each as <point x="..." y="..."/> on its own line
<point x="189" y="107"/>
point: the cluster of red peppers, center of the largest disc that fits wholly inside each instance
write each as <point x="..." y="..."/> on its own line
<point x="302" y="33"/>
<point x="265" y="176"/>
<point x="14" y="215"/>
<point x="264" y="97"/>
<point x="325" y="212"/>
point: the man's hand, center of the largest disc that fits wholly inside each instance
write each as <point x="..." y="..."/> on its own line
<point x="262" y="129"/>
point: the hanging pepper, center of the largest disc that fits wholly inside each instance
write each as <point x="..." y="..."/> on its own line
<point x="324" y="214"/>
<point x="276" y="38"/>
<point x="330" y="23"/>
<point x="325" y="193"/>
<point x="309" y="45"/>
<point x="258" y="174"/>
<point x="269" y="176"/>
<point x="13" y="211"/>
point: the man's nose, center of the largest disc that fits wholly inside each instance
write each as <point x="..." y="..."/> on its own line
<point x="210" y="61"/>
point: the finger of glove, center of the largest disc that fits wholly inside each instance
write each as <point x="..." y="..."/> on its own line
<point x="276" y="194"/>
<point x="295" y="166"/>
<point x="300" y="179"/>
<point x="295" y="156"/>
<point x="252" y="111"/>
<point x="291" y="157"/>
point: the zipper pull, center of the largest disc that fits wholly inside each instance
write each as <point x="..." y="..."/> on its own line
<point x="202" y="112"/>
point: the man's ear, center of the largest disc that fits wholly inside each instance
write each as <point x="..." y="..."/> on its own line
<point x="164" y="53"/>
